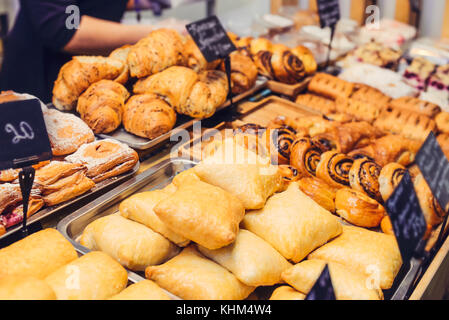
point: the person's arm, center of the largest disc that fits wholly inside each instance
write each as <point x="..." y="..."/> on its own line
<point x="96" y="36"/>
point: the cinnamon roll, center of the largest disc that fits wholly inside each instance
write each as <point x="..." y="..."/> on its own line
<point x="334" y="168"/>
<point x="432" y="210"/>
<point x="358" y="209"/>
<point x="389" y="178"/>
<point x="319" y="191"/>
<point x="280" y="65"/>
<point x="250" y="135"/>
<point x="305" y="154"/>
<point x="364" y="177"/>
<point x="289" y="173"/>
<point x="278" y="141"/>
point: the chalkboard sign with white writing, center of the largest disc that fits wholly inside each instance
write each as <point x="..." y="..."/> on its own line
<point x="329" y="12"/>
<point x="211" y="38"/>
<point x="406" y="217"/>
<point x="322" y="289"/>
<point x="23" y="135"/>
<point x="435" y="168"/>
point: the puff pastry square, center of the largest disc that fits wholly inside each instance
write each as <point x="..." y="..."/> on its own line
<point x="94" y="276"/>
<point x="251" y="183"/>
<point x="132" y="244"/>
<point x="142" y="290"/>
<point x="252" y="260"/>
<point x="203" y="213"/>
<point x="139" y="208"/>
<point x="348" y="284"/>
<point x="287" y="293"/>
<point x="372" y="253"/>
<point x="293" y="223"/>
<point x="191" y="276"/>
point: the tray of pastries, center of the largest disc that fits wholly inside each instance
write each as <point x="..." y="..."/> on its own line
<point x="71" y="274"/>
<point x="81" y="166"/>
<point x="139" y="94"/>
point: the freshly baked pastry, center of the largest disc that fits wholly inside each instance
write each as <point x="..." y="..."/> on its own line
<point x="389" y="178"/>
<point x="191" y="276"/>
<point x="418" y="72"/>
<point x="409" y="124"/>
<point x="78" y="74"/>
<point x="55" y="171"/>
<point x="94" y="276"/>
<point x="148" y="116"/>
<point x="101" y="105"/>
<point x="188" y="213"/>
<point x="305" y="154"/>
<point x="378" y="54"/>
<point x="15" y="216"/>
<point x="142" y="290"/>
<point x="280" y="65"/>
<point x="286" y="293"/>
<point x="329" y="86"/>
<point x="10" y="195"/>
<point x="359" y="209"/>
<point x="348" y="284"/>
<point x="66" y="132"/>
<point x="442" y="121"/>
<point x="8" y="175"/>
<point x="251" y="183"/>
<point x="278" y="142"/>
<point x="364" y="177"/>
<point x="25" y="288"/>
<point x="443" y="140"/>
<point x="134" y="245"/>
<point x="365" y="93"/>
<point x="373" y="253"/>
<point x="359" y="110"/>
<point x="139" y="208"/>
<point x="9" y="96"/>
<point x="66" y="188"/>
<point x="37" y="255"/>
<point x="307" y="58"/>
<point x="195" y="59"/>
<point x="348" y="136"/>
<point x="189" y="93"/>
<point x="433" y="213"/>
<point x="416" y="105"/>
<point x="390" y="148"/>
<point x="161" y="49"/>
<point x="318" y="191"/>
<point x="122" y="55"/>
<point x="293" y="223"/>
<point x="105" y="158"/>
<point x="314" y="102"/>
<point x="334" y="168"/>
<point x="243" y="72"/>
<point x="259" y="44"/>
<point x="252" y="260"/>
<point x="289" y="173"/>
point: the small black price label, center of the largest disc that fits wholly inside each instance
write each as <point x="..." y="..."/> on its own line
<point x="211" y="38"/>
<point x="406" y="216"/>
<point x="23" y="135"/>
<point x="322" y="289"/>
<point x="329" y="12"/>
<point x="434" y="167"/>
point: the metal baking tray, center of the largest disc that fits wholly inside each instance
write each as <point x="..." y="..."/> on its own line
<point x="47" y="211"/>
<point x="182" y="123"/>
<point x="156" y="177"/>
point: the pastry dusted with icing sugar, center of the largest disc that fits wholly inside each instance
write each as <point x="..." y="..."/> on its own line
<point x="105" y="158"/>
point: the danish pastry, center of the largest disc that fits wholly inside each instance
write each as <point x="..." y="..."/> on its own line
<point x="318" y="191"/>
<point x="359" y="110"/>
<point x="357" y="208"/>
<point x="329" y="86"/>
<point x="373" y="253"/>
<point x="105" y="158"/>
<point x="191" y="276"/>
<point x="278" y="142"/>
<point x="307" y="58"/>
<point x="66" y="132"/>
<point x="442" y="121"/>
<point x="243" y="72"/>
<point x="56" y="170"/>
<point x="372" y="95"/>
<point x="280" y="65"/>
<point x="305" y="155"/>
<point x="334" y="168"/>
<point x="416" y="105"/>
<point x="314" y="102"/>
<point x="292" y="223"/>
<point x="433" y="213"/>
<point x="364" y="177"/>
<point x="389" y="179"/>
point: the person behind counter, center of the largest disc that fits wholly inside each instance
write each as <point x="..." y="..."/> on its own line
<point x="44" y="38"/>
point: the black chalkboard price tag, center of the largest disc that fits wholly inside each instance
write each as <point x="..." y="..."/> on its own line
<point x="406" y="216"/>
<point x="211" y="38"/>
<point x="322" y="289"/>
<point x="329" y="12"/>
<point x="435" y="168"/>
<point x="24" y="141"/>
